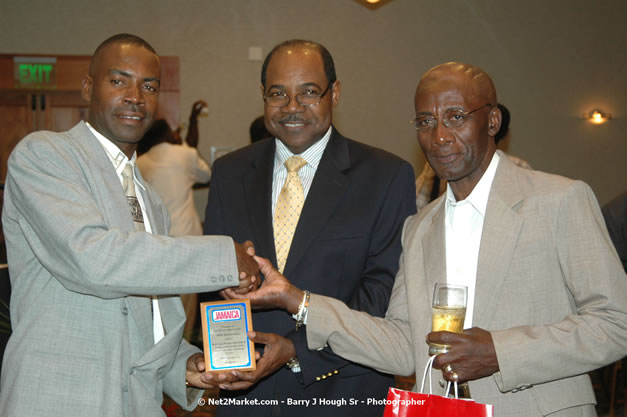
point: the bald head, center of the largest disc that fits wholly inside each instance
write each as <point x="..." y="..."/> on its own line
<point x="457" y="117"/>
<point x="327" y="59"/>
<point x="477" y="83"/>
<point x="120" y="38"/>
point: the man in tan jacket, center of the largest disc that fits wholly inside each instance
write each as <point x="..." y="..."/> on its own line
<point x="548" y="295"/>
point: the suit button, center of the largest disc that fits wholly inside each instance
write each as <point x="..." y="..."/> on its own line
<point x="317" y="378"/>
<point x="336" y="372"/>
<point x="124" y="311"/>
<point x="324" y="377"/>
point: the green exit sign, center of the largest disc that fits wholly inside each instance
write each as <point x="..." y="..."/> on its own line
<point x="35" y="72"/>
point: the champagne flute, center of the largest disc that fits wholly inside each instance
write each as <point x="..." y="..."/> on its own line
<point x="448" y="312"/>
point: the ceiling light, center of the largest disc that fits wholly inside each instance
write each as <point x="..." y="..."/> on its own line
<point x="373" y="4"/>
<point x="597" y="117"/>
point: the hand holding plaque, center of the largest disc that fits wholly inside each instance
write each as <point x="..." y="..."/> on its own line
<point x="225" y="326"/>
<point x="277" y="351"/>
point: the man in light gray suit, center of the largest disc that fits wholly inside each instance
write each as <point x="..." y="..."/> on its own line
<point x="97" y="325"/>
<point x="548" y="296"/>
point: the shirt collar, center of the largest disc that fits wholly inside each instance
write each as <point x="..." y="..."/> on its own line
<point x="312" y="155"/>
<point x="116" y="156"/>
<point x="478" y="198"/>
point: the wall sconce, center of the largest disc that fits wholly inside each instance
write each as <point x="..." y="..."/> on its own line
<point x="373" y="4"/>
<point x="597" y="117"/>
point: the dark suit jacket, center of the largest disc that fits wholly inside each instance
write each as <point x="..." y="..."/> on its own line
<point x="346" y="245"/>
<point x="615" y="215"/>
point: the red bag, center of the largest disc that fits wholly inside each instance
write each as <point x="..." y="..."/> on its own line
<point x="401" y="403"/>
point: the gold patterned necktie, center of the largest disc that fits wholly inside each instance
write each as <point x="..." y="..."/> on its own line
<point x="128" y="183"/>
<point x="288" y="208"/>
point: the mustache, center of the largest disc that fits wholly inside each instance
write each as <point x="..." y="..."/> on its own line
<point x="292" y="119"/>
<point x="132" y="108"/>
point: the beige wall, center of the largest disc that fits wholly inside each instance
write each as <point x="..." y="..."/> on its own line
<point x="551" y="61"/>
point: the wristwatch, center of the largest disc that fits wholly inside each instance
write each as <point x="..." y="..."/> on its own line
<point x="293" y="364"/>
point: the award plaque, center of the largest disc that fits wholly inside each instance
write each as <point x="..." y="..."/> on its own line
<point x="225" y="325"/>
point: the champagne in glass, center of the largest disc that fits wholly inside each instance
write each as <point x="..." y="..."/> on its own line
<point x="448" y="312"/>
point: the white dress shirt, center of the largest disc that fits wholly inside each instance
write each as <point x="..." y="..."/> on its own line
<point x="119" y="160"/>
<point x="463" y="225"/>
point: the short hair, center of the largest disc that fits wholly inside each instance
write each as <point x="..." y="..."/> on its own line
<point x="500" y="135"/>
<point x="327" y="59"/>
<point x="121" y="38"/>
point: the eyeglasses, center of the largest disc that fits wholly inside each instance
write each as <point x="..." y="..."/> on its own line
<point x="310" y="97"/>
<point x="451" y="119"/>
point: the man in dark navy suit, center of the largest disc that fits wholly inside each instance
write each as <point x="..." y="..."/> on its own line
<point x="346" y="242"/>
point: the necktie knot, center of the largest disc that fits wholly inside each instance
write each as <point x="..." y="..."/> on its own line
<point x="127" y="179"/>
<point x="295" y="163"/>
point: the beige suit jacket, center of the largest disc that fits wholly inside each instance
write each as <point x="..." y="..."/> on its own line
<point x="550" y="288"/>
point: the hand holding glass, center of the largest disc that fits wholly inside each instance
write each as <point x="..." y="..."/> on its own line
<point x="448" y="312"/>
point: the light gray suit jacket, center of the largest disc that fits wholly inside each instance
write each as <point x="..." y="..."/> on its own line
<point x="82" y="342"/>
<point x="550" y="288"/>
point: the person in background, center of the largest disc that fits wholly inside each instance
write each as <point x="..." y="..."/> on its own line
<point x="429" y="186"/>
<point x="258" y="130"/>
<point x="3" y="247"/>
<point x="172" y="167"/>
<point x="615" y="215"/>
<point x="96" y="319"/>
<point x="547" y="293"/>
<point x="5" y="288"/>
<point x="344" y="243"/>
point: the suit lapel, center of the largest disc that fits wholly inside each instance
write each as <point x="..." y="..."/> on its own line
<point x="501" y="229"/>
<point x="173" y="319"/>
<point x="327" y="189"/>
<point x="433" y="246"/>
<point x="111" y="196"/>
<point x="258" y="185"/>
<point x="155" y="216"/>
<point x="141" y="311"/>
